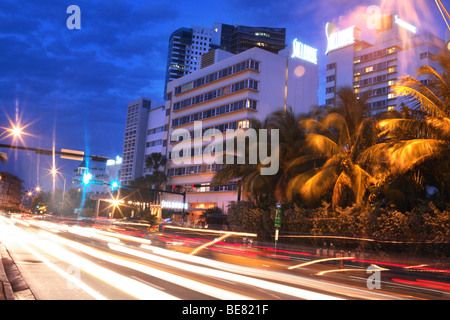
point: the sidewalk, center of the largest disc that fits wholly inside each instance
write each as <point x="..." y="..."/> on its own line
<point x="12" y="284"/>
<point x="6" y="291"/>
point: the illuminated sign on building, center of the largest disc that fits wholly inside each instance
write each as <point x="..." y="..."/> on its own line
<point x="173" y="205"/>
<point x="405" y="24"/>
<point x="304" y="52"/>
<point x="339" y="39"/>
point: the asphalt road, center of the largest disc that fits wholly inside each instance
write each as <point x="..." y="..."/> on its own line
<point x="61" y="262"/>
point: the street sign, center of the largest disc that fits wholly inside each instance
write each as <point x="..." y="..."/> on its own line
<point x="72" y="154"/>
<point x="96" y="182"/>
<point x="278" y="218"/>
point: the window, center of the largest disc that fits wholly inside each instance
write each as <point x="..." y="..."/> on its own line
<point x="329" y="90"/>
<point x="331" y="66"/>
<point x="330" y="78"/>
<point x="244" y="65"/>
<point x="235" y="87"/>
<point x="391" y="50"/>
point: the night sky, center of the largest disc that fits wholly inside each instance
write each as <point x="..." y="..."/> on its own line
<point x="71" y="87"/>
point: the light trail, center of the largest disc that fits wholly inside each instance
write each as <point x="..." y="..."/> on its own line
<point x="268" y="274"/>
<point x="263" y="284"/>
<point x="132" y="287"/>
<point x="241" y="234"/>
<point x="203" y="246"/>
<point x="346" y="270"/>
<point x="319" y="261"/>
<point x="166" y="276"/>
<point x="22" y="239"/>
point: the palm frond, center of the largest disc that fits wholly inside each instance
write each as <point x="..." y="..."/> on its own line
<point x="336" y="122"/>
<point x="404" y="155"/>
<point x="343" y="183"/>
<point x="316" y="186"/>
<point x="322" y="145"/>
<point x="426" y="99"/>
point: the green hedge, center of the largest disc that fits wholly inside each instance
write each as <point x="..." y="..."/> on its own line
<point x="425" y="223"/>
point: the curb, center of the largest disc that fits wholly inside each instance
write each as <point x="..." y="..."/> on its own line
<point x="6" y="291"/>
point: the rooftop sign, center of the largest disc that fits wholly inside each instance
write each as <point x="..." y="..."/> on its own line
<point x="405" y="24"/>
<point x="339" y="39"/>
<point x="304" y="52"/>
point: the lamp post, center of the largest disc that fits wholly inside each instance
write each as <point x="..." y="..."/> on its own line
<point x="54" y="172"/>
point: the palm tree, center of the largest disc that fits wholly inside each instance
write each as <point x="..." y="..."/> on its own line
<point x="267" y="187"/>
<point x="246" y="175"/>
<point x="155" y="161"/>
<point x="417" y="143"/>
<point x="330" y="157"/>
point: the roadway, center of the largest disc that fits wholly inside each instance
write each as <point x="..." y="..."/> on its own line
<point x="70" y="262"/>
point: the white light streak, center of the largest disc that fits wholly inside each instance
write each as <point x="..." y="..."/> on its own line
<point x="263" y="284"/>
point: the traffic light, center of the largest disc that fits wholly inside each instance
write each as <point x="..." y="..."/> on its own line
<point x="87" y="178"/>
<point x="114" y="185"/>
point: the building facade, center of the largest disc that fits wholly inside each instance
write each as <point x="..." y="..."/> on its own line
<point x="372" y="69"/>
<point x="156" y="136"/>
<point x="228" y="95"/>
<point x="91" y="176"/>
<point x="187" y="45"/>
<point x="134" y="140"/>
<point x="10" y="191"/>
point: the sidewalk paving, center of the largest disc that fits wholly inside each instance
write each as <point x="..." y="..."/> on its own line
<point x="12" y="284"/>
<point x="6" y="291"/>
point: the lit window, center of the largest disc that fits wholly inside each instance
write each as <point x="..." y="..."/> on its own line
<point x="244" y="124"/>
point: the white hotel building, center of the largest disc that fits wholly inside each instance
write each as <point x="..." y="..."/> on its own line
<point x="372" y="69"/>
<point x="227" y="95"/>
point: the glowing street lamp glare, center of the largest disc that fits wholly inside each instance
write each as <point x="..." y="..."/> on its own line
<point x="16" y="131"/>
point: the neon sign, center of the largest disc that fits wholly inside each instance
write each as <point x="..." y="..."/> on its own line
<point x="304" y="52"/>
<point x="405" y="24"/>
<point x="339" y="39"/>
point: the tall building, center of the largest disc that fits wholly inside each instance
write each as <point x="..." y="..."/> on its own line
<point x="228" y="95"/>
<point x="113" y="169"/>
<point x="156" y="136"/>
<point x="187" y="45"/>
<point x="372" y="69"/>
<point x="134" y="140"/>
